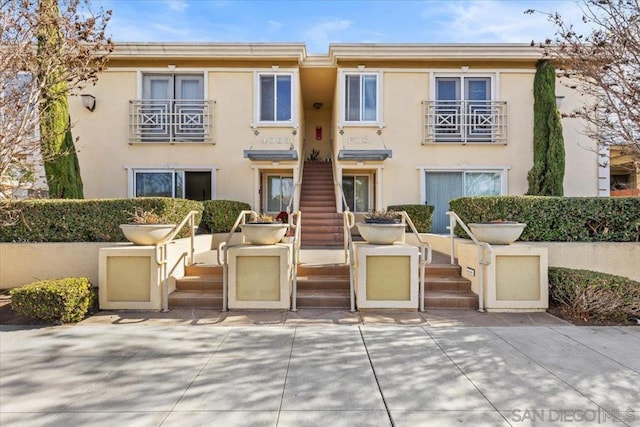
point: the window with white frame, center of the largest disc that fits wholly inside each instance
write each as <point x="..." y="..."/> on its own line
<point x="275" y="98"/>
<point x="184" y="184"/>
<point x="357" y="192"/>
<point x="172" y="109"/>
<point x="443" y="186"/>
<point x="279" y="192"/>
<point x="361" y="97"/>
<point x="464" y="111"/>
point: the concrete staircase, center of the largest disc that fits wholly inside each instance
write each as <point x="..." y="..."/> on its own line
<point x="201" y="287"/>
<point x="445" y="287"/>
<point x="323" y="287"/>
<point x="321" y="224"/>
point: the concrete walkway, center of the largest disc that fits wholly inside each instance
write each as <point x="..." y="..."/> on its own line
<point x="150" y="374"/>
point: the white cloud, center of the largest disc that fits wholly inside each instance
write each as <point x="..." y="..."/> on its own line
<point x="319" y="36"/>
<point x="274" y="26"/>
<point x="498" y="21"/>
<point x="177" y="5"/>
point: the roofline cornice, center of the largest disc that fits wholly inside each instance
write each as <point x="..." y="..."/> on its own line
<point x="287" y="51"/>
<point x="449" y="51"/>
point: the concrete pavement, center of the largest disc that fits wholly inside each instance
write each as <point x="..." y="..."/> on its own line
<point x="150" y="374"/>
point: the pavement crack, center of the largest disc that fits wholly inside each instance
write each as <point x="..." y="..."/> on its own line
<point x="375" y="375"/>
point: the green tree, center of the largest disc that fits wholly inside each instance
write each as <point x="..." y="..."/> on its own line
<point x="547" y="174"/>
<point x="60" y="160"/>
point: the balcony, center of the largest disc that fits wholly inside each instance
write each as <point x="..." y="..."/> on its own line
<point x="464" y="122"/>
<point x="170" y="120"/>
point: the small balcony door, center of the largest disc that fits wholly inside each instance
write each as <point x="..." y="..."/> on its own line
<point x="173" y="106"/>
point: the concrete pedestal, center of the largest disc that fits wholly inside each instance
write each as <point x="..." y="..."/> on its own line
<point x="517" y="279"/>
<point x="129" y="278"/>
<point x="386" y="276"/>
<point x="259" y="276"/>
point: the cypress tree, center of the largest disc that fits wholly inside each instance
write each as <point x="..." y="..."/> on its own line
<point x="60" y="159"/>
<point x="547" y="174"/>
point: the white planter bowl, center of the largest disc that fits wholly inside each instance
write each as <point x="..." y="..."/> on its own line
<point x="263" y="234"/>
<point x="497" y="233"/>
<point x="381" y="234"/>
<point x="147" y="234"/>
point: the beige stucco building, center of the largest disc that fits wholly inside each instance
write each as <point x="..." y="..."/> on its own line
<point x="400" y="124"/>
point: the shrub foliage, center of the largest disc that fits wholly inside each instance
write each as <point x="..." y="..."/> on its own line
<point x="95" y="220"/>
<point x="560" y="219"/>
<point x="421" y="215"/>
<point x="59" y="300"/>
<point x="592" y="295"/>
<point x="219" y="215"/>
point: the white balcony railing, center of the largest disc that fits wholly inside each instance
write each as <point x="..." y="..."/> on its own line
<point x="465" y="122"/>
<point x="170" y="120"/>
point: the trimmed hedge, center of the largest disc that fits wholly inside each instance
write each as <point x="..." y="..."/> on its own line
<point x="96" y="220"/>
<point x="60" y="300"/>
<point x="557" y="219"/>
<point x="592" y="295"/>
<point x="421" y="215"/>
<point x="219" y="215"/>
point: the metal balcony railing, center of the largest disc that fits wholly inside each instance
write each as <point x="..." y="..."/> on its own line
<point x="170" y="120"/>
<point x="464" y="122"/>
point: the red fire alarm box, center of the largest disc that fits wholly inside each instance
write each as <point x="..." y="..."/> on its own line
<point x="318" y="133"/>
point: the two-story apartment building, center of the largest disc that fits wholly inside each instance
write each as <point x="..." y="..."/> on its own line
<point x="409" y="123"/>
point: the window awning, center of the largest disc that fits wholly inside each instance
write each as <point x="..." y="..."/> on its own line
<point x="364" y="154"/>
<point x="271" y="155"/>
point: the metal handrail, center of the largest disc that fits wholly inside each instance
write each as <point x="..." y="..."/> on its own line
<point x="222" y="249"/>
<point x="349" y="221"/>
<point x="161" y="254"/>
<point x="298" y="185"/>
<point x="426" y="254"/>
<point x="482" y="261"/>
<point x="295" y="256"/>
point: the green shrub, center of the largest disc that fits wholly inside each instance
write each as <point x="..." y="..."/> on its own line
<point x="421" y="215"/>
<point x="59" y="300"/>
<point x="557" y="219"/>
<point x="219" y="215"/>
<point x="592" y="295"/>
<point x="95" y="220"/>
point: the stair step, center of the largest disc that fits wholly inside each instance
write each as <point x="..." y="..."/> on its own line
<point x="323" y="299"/>
<point x="321" y="229"/>
<point x="447" y="270"/>
<point x="323" y="270"/>
<point x="203" y="270"/>
<point x="208" y="299"/>
<point x="320" y="283"/>
<point x="331" y="209"/>
<point x="447" y="284"/>
<point x="332" y="222"/>
<point x="325" y="203"/>
<point x="451" y="299"/>
<point x="199" y="283"/>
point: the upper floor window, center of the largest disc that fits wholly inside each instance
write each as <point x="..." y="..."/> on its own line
<point x="464" y="111"/>
<point x="172" y="109"/>
<point x="361" y="98"/>
<point x="275" y="97"/>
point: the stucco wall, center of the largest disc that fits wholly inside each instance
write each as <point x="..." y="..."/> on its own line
<point x="23" y="263"/>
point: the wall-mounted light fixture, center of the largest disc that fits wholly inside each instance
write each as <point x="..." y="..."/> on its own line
<point x="317" y="105"/>
<point x="559" y="100"/>
<point x="89" y="101"/>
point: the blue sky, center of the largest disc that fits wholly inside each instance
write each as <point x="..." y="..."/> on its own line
<point x="318" y="23"/>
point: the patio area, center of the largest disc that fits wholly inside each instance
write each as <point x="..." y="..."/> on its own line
<point x="145" y="374"/>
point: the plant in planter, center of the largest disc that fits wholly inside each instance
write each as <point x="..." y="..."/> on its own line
<point x="497" y="232"/>
<point x="146" y="227"/>
<point x="264" y="230"/>
<point x="381" y="227"/>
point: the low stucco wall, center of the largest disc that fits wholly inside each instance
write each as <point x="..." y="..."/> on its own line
<point x="621" y="259"/>
<point x="23" y="263"/>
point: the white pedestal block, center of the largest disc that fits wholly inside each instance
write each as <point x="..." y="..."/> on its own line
<point x="517" y="279"/>
<point x="129" y="278"/>
<point x="386" y="276"/>
<point x="259" y="276"/>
